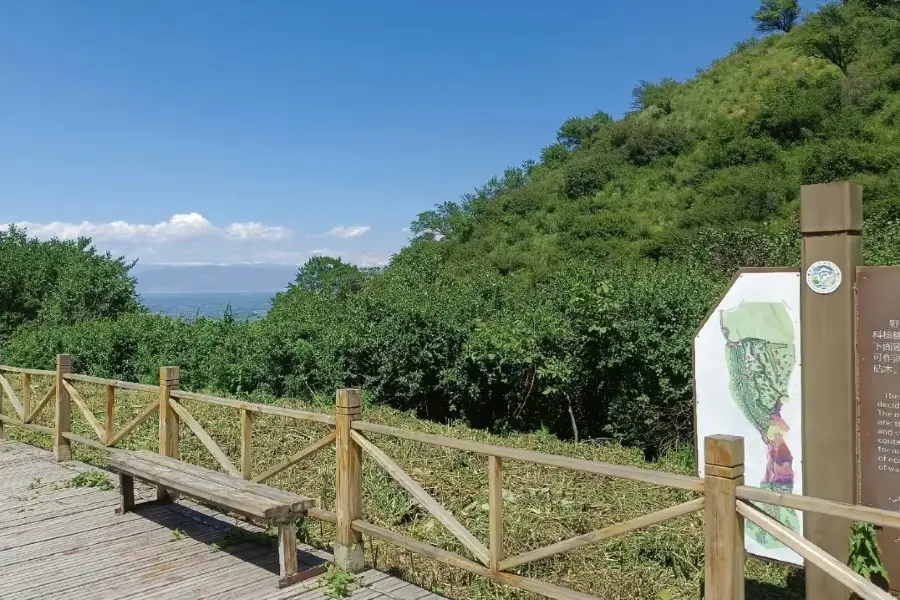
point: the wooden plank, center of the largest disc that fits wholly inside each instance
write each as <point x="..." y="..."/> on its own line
<point x="323" y="515"/>
<point x="661" y="478"/>
<point x="145" y="414"/>
<point x="142" y="572"/>
<point x="39" y="428"/>
<point x="25" y="371"/>
<point x="815" y="555"/>
<point x="85" y="410"/>
<point x="428" y="503"/>
<point x="126" y="493"/>
<point x="84" y="535"/>
<point x="455" y="560"/>
<point x="296" y="457"/>
<point x="226" y="497"/>
<point x="297" y="502"/>
<point x="293" y="413"/>
<point x="68" y="435"/>
<point x="110" y="415"/>
<point x="92" y="558"/>
<point x="51" y="394"/>
<point x="605" y="533"/>
<point x="209" y="443"/>
<point x="495" y="513"/>
<point x="11" y="395"/>
<point x="246" y="444"/>
<point x="842" y="510"/>
<point x="10" y="420"/>
<point x="125" y="385"/>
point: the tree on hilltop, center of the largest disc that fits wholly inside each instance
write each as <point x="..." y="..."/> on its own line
<point x="777" y="15"/>
<point x="831" y="34"/>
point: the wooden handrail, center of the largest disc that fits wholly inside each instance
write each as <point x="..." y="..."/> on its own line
<point x="832" y="508"/>
<point x="13" y="399"/>
<point x="815" y="555"/>
<point x="662" y="478"/>
<point x="25" y="371"/>
<point x="31" y="426"/>
<point x="721" y="508"/>
<point x="455" y="560"/>
<point x="143" y="416"/>
<point x="424" y="499"/>
<point x="125" y="385"/>
<point x="209" y="443"/>
<point x="296" y="457"/>
<point x="303" y="415"/>
<point x="606" y="533"/>
<point x="85" y="410"/>
<point x="50" y="395"/>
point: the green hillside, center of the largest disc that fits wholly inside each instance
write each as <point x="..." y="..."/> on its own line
<point x="727" y="150"/>
<point x="561" y="295"/>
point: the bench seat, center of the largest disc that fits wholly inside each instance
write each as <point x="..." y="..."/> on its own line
<point x="255" y="501"/>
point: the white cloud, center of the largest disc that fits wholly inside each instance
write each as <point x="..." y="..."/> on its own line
<point x="254" y="230"/>
<point x="177" y="227"/>
<point x="191" y="238"/>
<point x="404" y="230"/>
<point x="349" y="231"/>
<point x="372" y="260"/>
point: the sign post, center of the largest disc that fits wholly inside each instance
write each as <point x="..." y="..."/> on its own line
<point x="830" y="224"/>
<point x="878" y="361"/>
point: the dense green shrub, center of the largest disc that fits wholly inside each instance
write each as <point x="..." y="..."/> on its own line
<point x="59" y="282"/>
<point x="645" y="141"/>
<point x="840" y="159"/>
<point x="588" y="174"/>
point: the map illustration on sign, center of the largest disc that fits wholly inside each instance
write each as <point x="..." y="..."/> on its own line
<point x="761" y="355"/>
<point x="747" y="383"/>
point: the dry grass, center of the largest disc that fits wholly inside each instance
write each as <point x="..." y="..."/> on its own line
<point x="542" y="504"/>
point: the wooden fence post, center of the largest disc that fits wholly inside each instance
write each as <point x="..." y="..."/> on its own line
<point x="724" y="470"/>
<point x="62" y="447"/>
<point x="109" y="423"/>
<point x="26" y="397"/>
<point x="246" y="444"/>
<point x="169" y="379"/>
<point x="495" y="506"/>
<point x="348" y="548"/>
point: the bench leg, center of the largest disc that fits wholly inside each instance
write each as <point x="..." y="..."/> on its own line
<point x="126" y="494"/>
<point x="287" y="557"/>
<point x="287" y="549"/>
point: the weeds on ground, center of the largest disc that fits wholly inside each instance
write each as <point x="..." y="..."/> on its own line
<point x="92" y="478"/>
<point x="178" y="535"/>
<point x="337" y="582"/>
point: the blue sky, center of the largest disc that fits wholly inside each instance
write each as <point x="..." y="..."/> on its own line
<point x="218" y="131"/>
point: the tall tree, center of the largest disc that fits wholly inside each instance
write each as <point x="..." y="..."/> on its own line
<point x="832" y="34"/>
<point x="777" y="15"/>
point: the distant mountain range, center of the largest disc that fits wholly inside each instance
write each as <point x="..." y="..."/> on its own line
<point x="190" y="279"/>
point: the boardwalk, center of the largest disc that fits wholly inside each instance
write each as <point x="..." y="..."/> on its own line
<point x="61" y="542"/>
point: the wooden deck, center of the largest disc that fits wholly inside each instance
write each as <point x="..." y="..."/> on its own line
<point x="59" y="542"/>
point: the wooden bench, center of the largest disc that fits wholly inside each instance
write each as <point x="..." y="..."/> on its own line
<point x="259" y="503"/>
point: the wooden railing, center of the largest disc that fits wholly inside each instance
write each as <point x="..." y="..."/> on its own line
<point x="722" y="495"/>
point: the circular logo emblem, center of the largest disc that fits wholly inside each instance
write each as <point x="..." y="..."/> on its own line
<point x="823" y="277"/>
